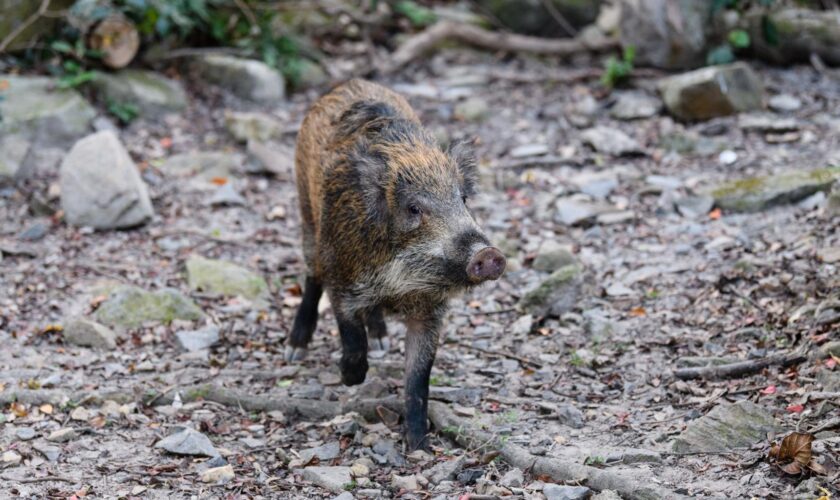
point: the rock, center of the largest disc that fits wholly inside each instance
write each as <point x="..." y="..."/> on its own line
<point x="101" y="187"/>
<point x="310" y="74"/>
<point x="582" y="112"/>
<point x="531" y="17"/>
<point x="668" y="34"/>
<point x="759" y="193"/>
<point x="226" y="195"/>
<point x="129" y="307"/>
<point x="35" y="231"/>
<point x="13" y="151"/>
<point x="344" y="496"/>
<point x="474" y="109"/>
<point x="713" y="91"/>
<point x="218" y="475"/>
<point x="50" y="452"/>
<point x="596" y="184"/>
<point x="204" y="167"/>
<point x="330" y="478"/>
<point x="34" y="108"/>
<point x="10" y="458"/>
<point x="388" y="450"/>
<point x="552" y="256"/>
<point x="635" y="105"/>
<point x="513" y="478"/>
<point x="188" y="442"/>
<point x="727" y="157"/>
<point x="88" y="333"/>
<point x="225" y="278"/>
<point x="152" y="93"/>
<point x="274" y="159"/>
<point x="460" y="395"/>
<point x="359" y="469"/>
<point x="446" y="471"/>
<point x="62" y="435"/>
<point x="611" y="141"/>
<point x="252" y="126"/>
<point x="569" y="415"/>
<point x="408" y="483"/>
<point x="800" y="33"/>
<point x="784" y="103"/>
<point x="527" y="150"/>
<point x="830" y="255"/>
<point x="726" y="427"/>
<point x="812" y="202"/>
<point x="196" y="340"/>
<point x="556" y="295"/>
<point x="246" y="78"/>
<point x="832" y="204"/>
<point x="561" y="492"/>
<point x="607" y="495"/>
<point x="615" y="217"/>
<point x="323" y="453"/>
<point x="694" y="207"/>
<point x="25" y="433"/>
<point x="766" y="122"/>
<point x="572" y="211"/>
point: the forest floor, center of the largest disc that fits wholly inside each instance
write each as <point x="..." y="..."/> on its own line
<point x="658" y="291"/>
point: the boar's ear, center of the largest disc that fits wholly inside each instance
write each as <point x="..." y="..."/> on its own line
<point x="462" y="152"/>
<point x="365" y="117"/>
<point x="371" y="170"/>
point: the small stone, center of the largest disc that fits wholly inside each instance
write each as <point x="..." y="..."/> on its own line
<point x="619" y="217"/>
<point x="62" y="435"/>
<point x="727" y="157"/>
<point x="196" y="340"/>
<point x="323" y="453"/>
<point x="635" y="105"/>
<point x="331" y="478"/>
<point x="713" y="91"/>
<point x="50" y="452"/>
<point x="408" y="483"/>
<point x="766" y="122"/>
<point x="812" y="202"/>
<point x="694" y="206"/>
<point x="784" y="103"/>
<point x="359" y="469"/>
<point x="830" y="255"/>
<point x="25" y="433"/>
<point x="527" y="150"/>
<point x="569" y="415"/>
<point x="10" y="458"/>
<point x="344" y="496"/>
<point x="274" y="159"/>
<point x="100" y="185"/>
<point x="572" y="210"/>
<point x="610" y="141"/>
<point x="596" y="184"/>
<point x="388" y="449"/>
<point x="34" y="232"/>
<point x="445" y="471"/>
<point x="253" y="443"/>
<point x="513" y="478"/>
<point x="253" y="126"/>
<point x="246" y="78"/>
<point x="88" y="333"/>
<point x="188" y="442"/>
<point x="561" y="492"/>
<point x="607" y="495"/>
<point x="474" y="109"/>
<point x="13" y="152"/>
<point x="226" y="195"/>
<point x="329" y="378"/>
<point x="552" y="256"/>
<point x="218" y="475"/>
<point x="620" y="290"/>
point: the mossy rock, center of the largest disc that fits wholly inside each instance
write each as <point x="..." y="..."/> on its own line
<point x="225" y="278"/>
<point x="759" y="193"/>
<point x="129" y="307"/>
<point x="153" y="94"/>
<point x="726" y="427"/>
<point x="556" y="294"/>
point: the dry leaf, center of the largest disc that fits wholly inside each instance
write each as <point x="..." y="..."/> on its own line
<point x="46" y="409"/>
<point x="796" y="449"/>
<point x="389" y="417"/>
<point x="638" y="311"/>
<point x="817" y="468"/>
<point x="18" y="409"/>
<point x="219" y="181"/>
<point x="715" y="214"/>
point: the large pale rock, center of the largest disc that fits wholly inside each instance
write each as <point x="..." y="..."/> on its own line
<point x="670" y="34"/>
<point x="531" y="16"/>
<point x="188" y="442"/>
<point x="247" y="78"/>
<point x="800" y="33"/>
<point x="13" y="151"/>
<point x="100" y="185"/>
<point x="330" y="478"/>
<point x="247" y="126"/>
<point x="88" y="333"/>
<point x="758" y="193"/>
<point x="225" y="278"/>
<point x="714" y="91"/>
<point x="611" y="141"/>
<point x="36" y="109"/>
<point x="152" y="93"/>
<point x="129" y="307"/>
<point x="726" y="427"/>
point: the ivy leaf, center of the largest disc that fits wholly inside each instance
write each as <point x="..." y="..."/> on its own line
<point x="771" y="32"/>
<point x="739" y="39"/>
<point x="720" y="55"/>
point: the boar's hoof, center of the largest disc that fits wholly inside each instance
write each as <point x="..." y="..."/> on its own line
<point x="354" y="368"/>
<point x="379" y="344"/>
<point x="295" y="353"/>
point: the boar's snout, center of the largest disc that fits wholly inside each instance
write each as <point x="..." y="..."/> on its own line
<point x="487" y="264"/>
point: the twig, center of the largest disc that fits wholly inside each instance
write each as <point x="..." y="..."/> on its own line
<point x="548" y="161"/>
<point x="44" y="479"/>
<point x="45" y="4"/>
<point x="558" y="16"/>
<point x="558" y="470"/>
<point x="196" y="51"/>
<point x="418" y="44"/>
<point x="739" y="369"/>
<point x="564" y="76"/>
<point x="503" y="354"/>
<point x="249" y="14"/>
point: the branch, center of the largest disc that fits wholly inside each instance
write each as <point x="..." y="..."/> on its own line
<point x="739" y="369"/>
<point x="45" y="4"/>
<point x="418" y="44"/>
<point x="557" y="469"/>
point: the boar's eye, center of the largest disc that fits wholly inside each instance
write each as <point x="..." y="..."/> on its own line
<point x="414" y="210"/>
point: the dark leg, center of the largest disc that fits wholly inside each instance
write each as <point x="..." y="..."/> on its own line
<point x="305" y="320"/>
<point x="353" y="364"/>
<point x="377" y="331"/>
<point x="421" y="341"/>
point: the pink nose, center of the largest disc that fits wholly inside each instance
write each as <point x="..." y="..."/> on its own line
<point x="487" y="264"/>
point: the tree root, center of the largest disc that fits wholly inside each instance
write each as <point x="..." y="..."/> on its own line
<point x="739" y="369"/>
<point x="419" y="44"/>
<point x="559" y="470"/>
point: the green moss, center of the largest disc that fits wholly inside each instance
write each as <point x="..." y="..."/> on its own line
<point x="557" y="279"/>
<point x="129" y="307"/>
<point x="758" y="193"/>
<point x="197" y="393"/>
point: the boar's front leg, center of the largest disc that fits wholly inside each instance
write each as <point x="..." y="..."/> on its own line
<point x="421" y="341"/>
<point x="351" y="327"/>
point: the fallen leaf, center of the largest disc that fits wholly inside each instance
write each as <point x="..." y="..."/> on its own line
<point x="638" y="311"/>
<point x="18" y="409"/>
<point x="795" y="408"/>
<point x="770" y="389"/>
<point x="817" y="468"/>
<point x="46" y="409"/>
<point x="830" y="363"/>
<point x="52" y="328"/>
<point x="796" y="448"/>
<point x="389" y="417"/>
<point x="715" y="214"/>
<point x="219" y="181"/>
<point x="166" y="142"/>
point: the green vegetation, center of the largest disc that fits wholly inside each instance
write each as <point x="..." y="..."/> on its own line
<point x="124" y="112"/>
<point x="617" y="71"/>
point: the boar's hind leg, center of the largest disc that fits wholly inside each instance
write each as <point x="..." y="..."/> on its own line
<point x="305" y="320"/>
<point x="421" y="345"/>
<point x="377" y="331"/>
<point x="351" y="327"/>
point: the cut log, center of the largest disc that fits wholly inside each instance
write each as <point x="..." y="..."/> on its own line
<point x="118" y="40"/>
